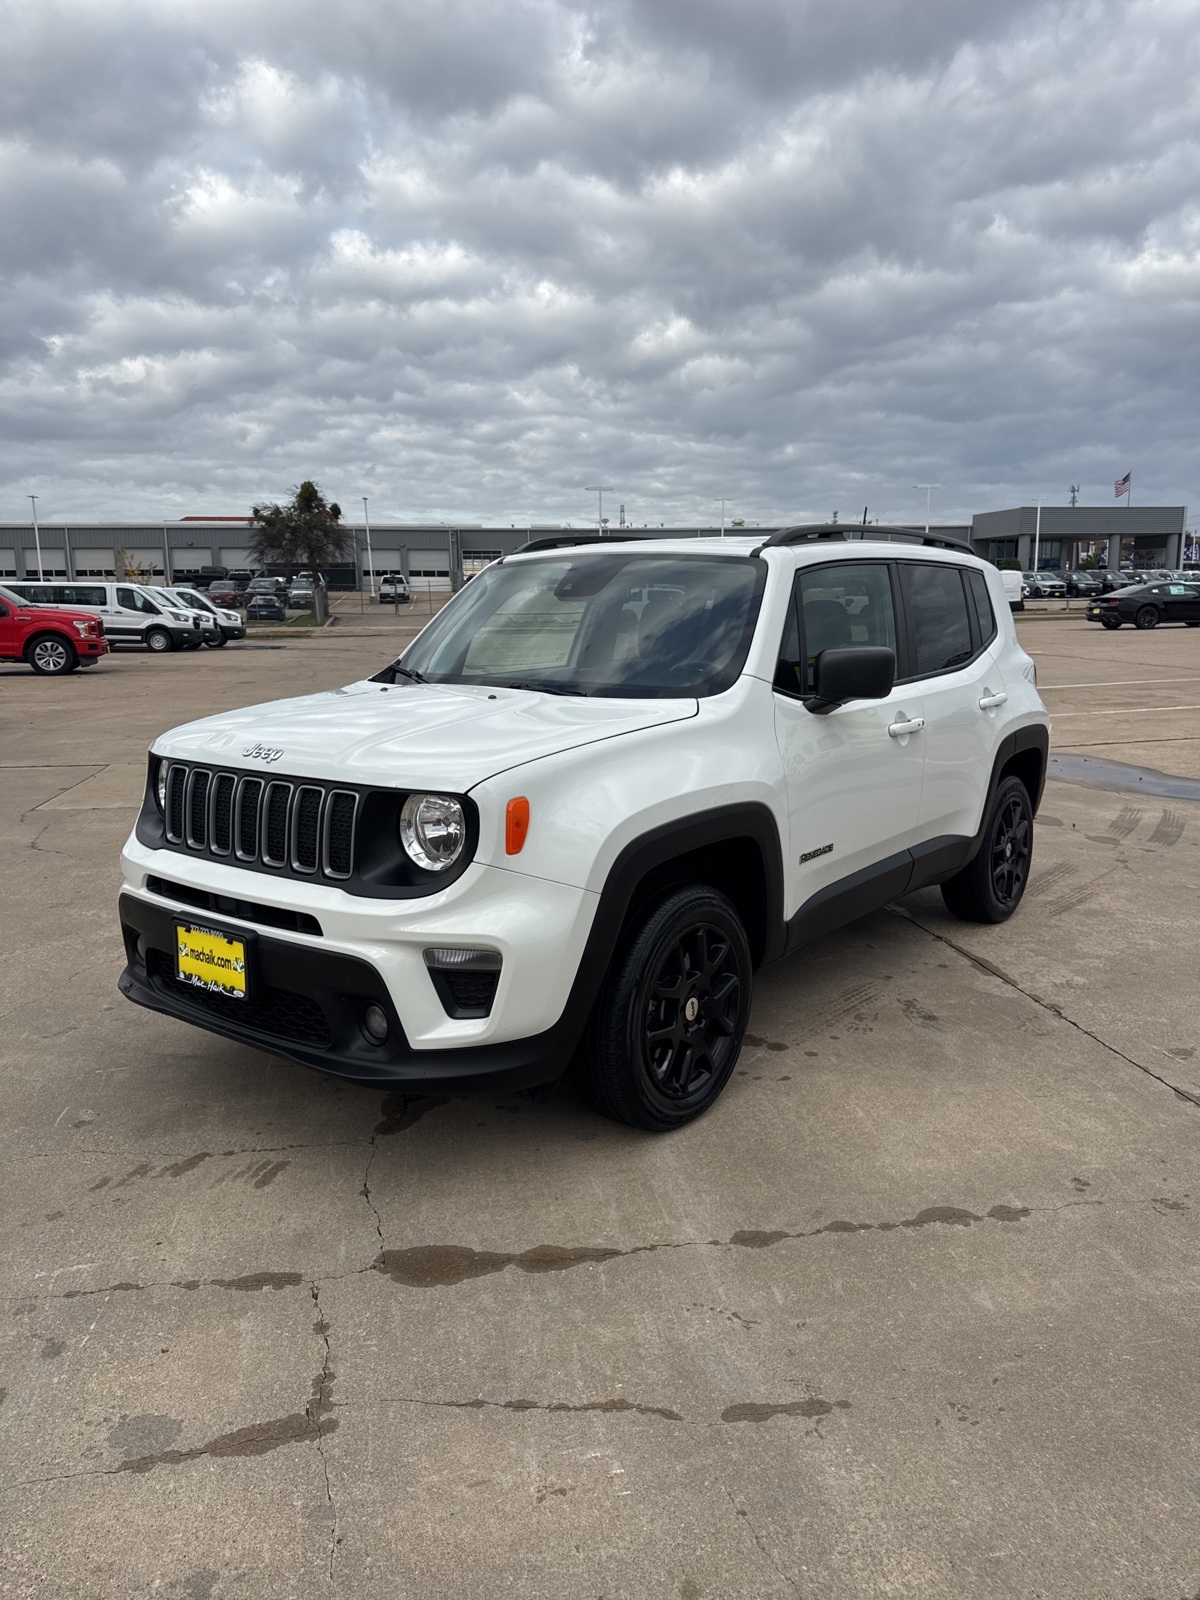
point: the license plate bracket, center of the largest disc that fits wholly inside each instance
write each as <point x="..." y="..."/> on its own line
<point x="213" y="960"/>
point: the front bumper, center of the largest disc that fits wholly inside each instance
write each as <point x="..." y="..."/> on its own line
<point x="308" y="1004"/>
<point x="232" y="631"/>
<point x="360" y="950"/>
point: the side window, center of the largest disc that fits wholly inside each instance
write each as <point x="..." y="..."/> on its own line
<point x="83" y="594"/>
<point x="789" y="673"/>
<point x="127" y="600"/>
<point x="3" y="609"/>
<point x="847" y="605"/>
<point x="937" y="607"/>
<point x="984" y="614"/>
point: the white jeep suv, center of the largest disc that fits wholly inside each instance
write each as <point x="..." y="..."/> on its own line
<point x="610" y="780"/>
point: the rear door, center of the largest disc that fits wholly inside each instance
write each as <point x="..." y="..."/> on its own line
<point x="1182" y="602"/>
<point x="951" y="660"/>
<point x="854" y="773"/>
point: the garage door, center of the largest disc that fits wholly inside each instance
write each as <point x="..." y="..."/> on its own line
<point x="93" y="563"/>
<point x="235" y="557"/>
<point x="428" y="564"/>
<point x="54" y="562"/>
<point x="8" y="563"/>
<point x="146" y="560"/>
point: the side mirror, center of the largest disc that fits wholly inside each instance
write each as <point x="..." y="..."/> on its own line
<point x="856" y="672"/>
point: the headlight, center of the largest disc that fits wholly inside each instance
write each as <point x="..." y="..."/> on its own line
<point x="83" y="629"/>
<point x="160" y="787"/>
<point x="433" y="831"/>
<point x="180" y="616"/>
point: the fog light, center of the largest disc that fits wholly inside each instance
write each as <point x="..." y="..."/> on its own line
<point x="141" y="948"/>
<point x="375" y="1024"/>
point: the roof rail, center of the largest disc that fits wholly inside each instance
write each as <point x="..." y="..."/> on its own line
<point x="804" y="532"/>
<point x="560" y="541"/>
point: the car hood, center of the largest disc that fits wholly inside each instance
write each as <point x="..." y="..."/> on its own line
<point x="428" y="735"/>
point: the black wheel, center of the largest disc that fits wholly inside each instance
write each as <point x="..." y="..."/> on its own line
<point x="160" y="641"/>
<point x="668" y="1026"/>
<point x="1146" y="617"/>
<point x="215" y="644"/>
<point x="50" y="655"/>
<point x="1194" y="624"/>
<point x="990" y="886"/>
<point x="1110" y="622"/>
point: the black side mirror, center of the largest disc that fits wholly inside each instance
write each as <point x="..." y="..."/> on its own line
<point x="855" y="672"/>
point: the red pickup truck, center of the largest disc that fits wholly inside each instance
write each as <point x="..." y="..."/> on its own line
<point x="52" y="642"/>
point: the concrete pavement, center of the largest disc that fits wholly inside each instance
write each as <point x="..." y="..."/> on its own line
<point x="911" y="1313"/>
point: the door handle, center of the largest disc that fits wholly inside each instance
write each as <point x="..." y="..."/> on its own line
<point x="914" y="725"/>
<point x="990" y="700"/>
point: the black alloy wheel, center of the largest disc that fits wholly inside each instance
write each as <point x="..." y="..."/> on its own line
<point x="1146" y="617"/>
<point x="668" y="1026"/>
<point x="989" y="888"/>
<point x="51" y="656"/>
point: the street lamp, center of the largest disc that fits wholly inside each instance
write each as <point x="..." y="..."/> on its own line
<point x="723" y="501"/>
<point x="599" y="490"/>
<point x="370" y="557"/>
<point x="37" y="537"/>
<point x="928" y="488"/>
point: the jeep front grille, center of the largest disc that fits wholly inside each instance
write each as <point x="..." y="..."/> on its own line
<point x="305" y="827"/>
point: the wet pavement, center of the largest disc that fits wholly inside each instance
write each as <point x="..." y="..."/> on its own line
<point x="911" y="1313"/>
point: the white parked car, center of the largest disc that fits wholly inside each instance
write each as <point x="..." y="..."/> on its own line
<point x="1014" y="588"/>
<point x="605" y="784"/>
<point x="132" y="613"/>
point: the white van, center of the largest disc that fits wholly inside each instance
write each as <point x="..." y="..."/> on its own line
<point x="1014" y="588"/>
<point x="132" y="613"/>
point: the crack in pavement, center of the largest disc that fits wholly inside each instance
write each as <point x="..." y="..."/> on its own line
<point x="316" y="1409"/>
<point x="763" y="1551"/>
<point x="398" y="1113"/>
<point x="1047" y="1005"/>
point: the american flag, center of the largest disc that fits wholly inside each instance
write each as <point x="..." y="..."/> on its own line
<point x="1122" y="485"/>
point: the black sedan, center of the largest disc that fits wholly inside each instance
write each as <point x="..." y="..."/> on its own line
<point x="265" y="608"/>
<point x="1148" y="604"/>
<point x="1083" y="584"/>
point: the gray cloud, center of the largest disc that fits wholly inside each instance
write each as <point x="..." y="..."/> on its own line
<point x="464" y="257"/>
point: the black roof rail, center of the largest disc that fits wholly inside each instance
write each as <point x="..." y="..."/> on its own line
<point x="803" y="533"/>
<point x="560" y="541"/>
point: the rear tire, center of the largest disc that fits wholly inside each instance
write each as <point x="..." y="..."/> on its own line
<point x="989" y="888"/>
<point x="51" y="656"/>
<point x="159" y="641"/>
<point x="1147" y="617"/>
<point x="215" y="644"/>
<point x="1110" y="622"/>
<point x="667" y="1029"/>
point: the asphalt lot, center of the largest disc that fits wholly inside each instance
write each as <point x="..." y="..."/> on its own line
<point x="913" y="1312"/>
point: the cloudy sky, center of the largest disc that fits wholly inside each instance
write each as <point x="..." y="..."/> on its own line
<point x="468" y="257"/>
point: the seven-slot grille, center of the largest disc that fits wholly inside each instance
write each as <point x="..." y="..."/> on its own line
<point x="308" y="827"/>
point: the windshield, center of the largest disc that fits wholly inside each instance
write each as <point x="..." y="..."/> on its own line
<point x="606" y="623"/>
<point x="192" y="601"/>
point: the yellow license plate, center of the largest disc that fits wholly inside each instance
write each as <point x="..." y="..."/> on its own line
<point x="210" y="961"/>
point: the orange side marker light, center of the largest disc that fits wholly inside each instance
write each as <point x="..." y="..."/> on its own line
<point x="516" y="825"/>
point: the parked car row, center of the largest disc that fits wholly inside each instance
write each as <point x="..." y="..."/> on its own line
<point x="1084" y="584"/>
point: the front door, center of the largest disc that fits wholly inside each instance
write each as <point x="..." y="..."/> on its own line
<point x="854" y="773"/>
<point x="1183" y="602"/>
<point x="8" y="632"/>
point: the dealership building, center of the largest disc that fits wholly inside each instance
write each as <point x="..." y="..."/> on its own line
<point x="428" y="553"/>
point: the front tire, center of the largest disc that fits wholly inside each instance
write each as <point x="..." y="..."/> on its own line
<point x="989" y="888"/>
<point x="159" y="641"/>
<point x="1147" y="617"/>
<point x="215" y="644"/>
<point x="51" y="656"/>
<point x="667" y="1030"/>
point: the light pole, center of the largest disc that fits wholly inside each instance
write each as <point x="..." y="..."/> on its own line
<point x="1037" y="535"/>
<point x="599" y="490"/>
<point x="370" y="557"/>
<point x="928" y="488"/>
<point x="722" y="501"/>
<point x="37" y="537"/>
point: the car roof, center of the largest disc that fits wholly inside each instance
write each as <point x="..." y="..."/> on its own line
<point x="742" y="545"/>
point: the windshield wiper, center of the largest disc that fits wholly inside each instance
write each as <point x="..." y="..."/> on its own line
<point x="409" y="673"/>
<point x="542" y="688"/>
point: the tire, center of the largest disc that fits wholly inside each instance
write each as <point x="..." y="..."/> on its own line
<point x="1110" y="622"/>
<point x="51" y="656"/>
<point x="645" y="1061"/>
<point x="1147" y="617"/>
<point x="1193" y="624"/>
<point x="215" y="644"/>
<point x="159" y="641"/>
<point x="989" y="888"/>
<point x="191" y="644"/>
